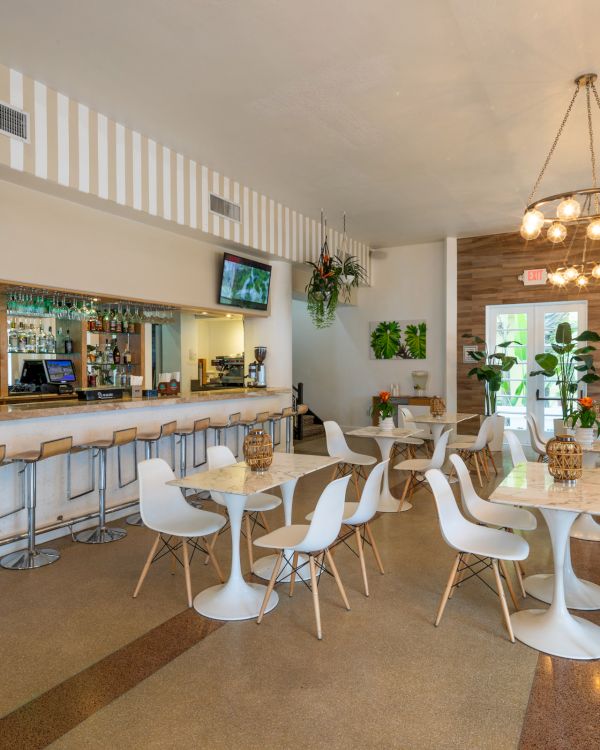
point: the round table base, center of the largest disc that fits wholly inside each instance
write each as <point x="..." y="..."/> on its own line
<point x="233" y="601"/>
<point x="586" y="528"/>
<point x="389" y="504"/>
<point x="263" y="568"/>
<point x="558" y="635"/>
<point x="579" y="594"/>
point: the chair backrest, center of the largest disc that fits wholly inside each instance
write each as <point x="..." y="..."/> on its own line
<point x="234" y="418"/>
<point x="454" y="527"/>
<point x="407" y="417"/>
<point x="217" y="457"/>
<point x="158" y="501"/>
<point x="369" y="499"/>
<point x="517" y="454"/>
<point x="536" y="428"/>
<point x="439" y="454"/>
<point x="327" y="517"/>
<point x="201" y="424"/>
<point x="536" y="444"/>
<point x="470" y="499"/>
<point x="484" y="435"/>
<point x="337" y="447"/>
<point x="168" y="428"/>
<point x="55" y="447"/>
<point x="123" y="437"/>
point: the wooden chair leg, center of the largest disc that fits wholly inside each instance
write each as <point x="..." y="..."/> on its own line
<point x="489" y="452"/>
<point x="338" y="580"/>
<point x="186" y="568"/>
<point x="446" y="593"/>
<point x="270" y="587"/>
<point x="374" y="548"/>
<point x="293" y="573"/>
<point x="334" y="472"/>
<point x="406" y="486"/>
<point x="477" y="467"/>
<point x="509" y="585"/>
<point x="503" y="603"/>
<point x="315" y="594"/>
<point x="173" y="557"/>
<point x="248" y="530"/>
<point x="361" y="557"/>
<point x="213" y="558"/>
<point x="519" y="574"/>
<point x="460" y="574"/>
<point x="211" y="546"/>
<point x="484" y="463"/>
<point x="146" y="567"/>
<point x="264" y="522"/>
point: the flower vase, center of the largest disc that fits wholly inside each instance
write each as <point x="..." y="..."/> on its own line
<point x="387" y="423"/>
<point x="584" y="434"/>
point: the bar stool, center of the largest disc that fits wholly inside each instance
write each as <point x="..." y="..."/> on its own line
<point x="276" y="418"/>
<point x="101" y="533"/>
<point x="233" y="420"/>
<point x="32" y="557"/>
<point x="150" y="440"/>
<point x="262" y="417"/>
<point x="199" y="426"/>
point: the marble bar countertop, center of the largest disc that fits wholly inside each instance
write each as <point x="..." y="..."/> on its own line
<point x="58" y="408"/>
<point x="531" y="486"/>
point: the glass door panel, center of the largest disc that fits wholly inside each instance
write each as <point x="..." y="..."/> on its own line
<point x="511" y="324"/>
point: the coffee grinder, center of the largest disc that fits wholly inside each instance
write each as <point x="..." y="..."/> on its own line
<point x="260" y="352"/>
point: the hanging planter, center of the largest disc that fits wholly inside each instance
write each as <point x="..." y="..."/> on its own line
<point x="332" y="275"/>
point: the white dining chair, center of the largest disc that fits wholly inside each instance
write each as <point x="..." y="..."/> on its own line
<point x="489" y="513"/>
<point x="416" y="467"/>
<point x="425" y="434"/>
<point x="220" y="456"/>
<point x="517" y="454"/>
<point x="488" y="547"/>
<point x="349" y="462"/>
<point x="313" y="540"/>
<point x="357" y="520"/>
<point x="407" y="446"/>
<point x="164" y="510"/>
<point x="476" y="453"/>
<point x="538" y="445"/>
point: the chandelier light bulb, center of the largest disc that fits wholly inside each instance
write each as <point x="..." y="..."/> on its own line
<point x="571" y="273"/>
<point x="533" y="220"/>
<point x="582" y="281"/>
<point x="596" y="271"/>
<point x="556" y="232"/>
<point x="593" y="230"/>
<point x="558" y="279"/>
<point x="568" y="210"/>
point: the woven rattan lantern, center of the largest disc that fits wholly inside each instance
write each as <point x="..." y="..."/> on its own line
<point x="437" y="407"/>
<point x="565" y="459"/>
<point x="258" y="450"/>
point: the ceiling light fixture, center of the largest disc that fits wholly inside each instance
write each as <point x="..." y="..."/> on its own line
<point x="572" y="210"/>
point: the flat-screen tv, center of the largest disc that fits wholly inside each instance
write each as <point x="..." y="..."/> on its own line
<point x="244" y="283"/>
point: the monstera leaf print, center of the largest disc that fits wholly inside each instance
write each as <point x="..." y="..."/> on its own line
<point x="415" y="337"/>
<point x="385" y="340"/>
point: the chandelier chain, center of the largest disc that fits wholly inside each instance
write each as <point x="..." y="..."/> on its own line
<point x="591" y="134"/>
<point x="554" y="144"/>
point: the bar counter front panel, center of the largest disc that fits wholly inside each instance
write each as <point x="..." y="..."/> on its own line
<point x="23" y="426"/>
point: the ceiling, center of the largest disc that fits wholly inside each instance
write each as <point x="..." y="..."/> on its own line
<point x="419" y="119"/>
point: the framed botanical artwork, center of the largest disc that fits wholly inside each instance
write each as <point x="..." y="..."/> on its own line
<point x="467" y="349"/>
<point x="398" y="339"/>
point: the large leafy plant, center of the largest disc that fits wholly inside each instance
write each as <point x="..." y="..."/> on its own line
<point x="385" y="340"/>
<point x="489" y="368"/>
<point x="569" y="359"/>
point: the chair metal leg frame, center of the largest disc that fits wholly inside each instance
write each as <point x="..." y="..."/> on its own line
<point x="288" y="433"/>
<point x="92" y="467"/>
<point x="475" y="460"/>
<point x="119" y="466"/>
<point x="169" y="548"/>
<point x="459" y="575"/>
<point x="135" y="519"/>
<point x="182" y="456"/>
<point x="195" y="462"/>
<point x="101" y="534"/>
<point x="31" y="557"/>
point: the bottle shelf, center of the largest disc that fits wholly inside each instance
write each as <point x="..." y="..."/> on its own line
<point x="110" y="364"/>
<point x="56" y="354"/>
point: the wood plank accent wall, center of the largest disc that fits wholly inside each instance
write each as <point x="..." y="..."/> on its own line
<point x="487" y="275"/>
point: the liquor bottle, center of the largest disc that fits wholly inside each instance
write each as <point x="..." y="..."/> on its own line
<point x="22" y="338"/>
<point x="108" y="358"/>
<point x="113" y="322"/>
<point x="116" y="352"/>
<point x="31" y="339"/>
<point x="68" y="343"/>
<point x="13" y="337"/>
<point x="50" y="341"/>
<point x="106" y="322"/>
<point x="41" y="340"/>
<point x="127" y="353"/>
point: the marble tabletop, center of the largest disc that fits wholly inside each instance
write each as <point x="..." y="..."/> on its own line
<point x="447" y="418"/>
<point x="376" y="431"/>
<point x="238" y="479"/>
<point x="531" y="485"/>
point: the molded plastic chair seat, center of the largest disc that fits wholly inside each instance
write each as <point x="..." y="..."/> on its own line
<point x="495" y="543"/>
<point x="284" y="537"/>
<point x="414" y="464"/>
<point x="349" y="511"/>
<point x="164" y="430"/>
<point x="262" y="501"/>
<point x="186" y="522"/>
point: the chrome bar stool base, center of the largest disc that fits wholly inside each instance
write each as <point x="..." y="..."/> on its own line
<point x="100" y="536"/>
<point x="27" y="560"/>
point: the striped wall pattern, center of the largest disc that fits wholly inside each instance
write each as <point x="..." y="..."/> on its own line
<point x="74" y="146"/>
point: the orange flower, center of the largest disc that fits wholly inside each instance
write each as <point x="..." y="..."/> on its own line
<point x="586" y="403"/>
<point x="384" y="396"/>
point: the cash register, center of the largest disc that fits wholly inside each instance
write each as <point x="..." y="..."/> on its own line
<point x="46" y="376"/>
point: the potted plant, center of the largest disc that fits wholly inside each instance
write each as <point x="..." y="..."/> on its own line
<point x="488" y="370"/>
<point x="586" y="416"/>
<point x="570" y="355"/>
<point x="384" y="410"/>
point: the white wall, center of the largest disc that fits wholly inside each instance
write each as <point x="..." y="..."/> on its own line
<point x="339" y="377"/>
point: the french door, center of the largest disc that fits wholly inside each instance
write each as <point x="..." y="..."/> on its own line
<point x="533" y="327"/>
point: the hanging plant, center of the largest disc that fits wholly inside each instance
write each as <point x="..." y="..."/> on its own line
<point x="332" y="275"/>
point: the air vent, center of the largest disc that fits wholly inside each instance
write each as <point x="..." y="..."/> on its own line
<point x="14" y="122"/>
<point x="224" y="208"/>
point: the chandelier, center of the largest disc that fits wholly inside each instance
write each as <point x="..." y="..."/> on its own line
<point x="572" y="214"/>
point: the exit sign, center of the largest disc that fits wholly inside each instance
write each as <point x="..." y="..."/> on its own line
<point x="533" y="276"/>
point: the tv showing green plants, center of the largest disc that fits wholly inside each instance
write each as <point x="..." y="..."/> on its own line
<point x="245" y="283"/>
<point x="398" y="339"/>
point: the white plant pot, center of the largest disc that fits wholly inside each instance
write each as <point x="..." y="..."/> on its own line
<point x="584" y="434"/>
<point x="498" y="439"/>
<point x="560" y="428"/>
<point x="387" y="423"/>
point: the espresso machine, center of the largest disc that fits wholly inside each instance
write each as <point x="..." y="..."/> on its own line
<point x="257" y="372"/>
